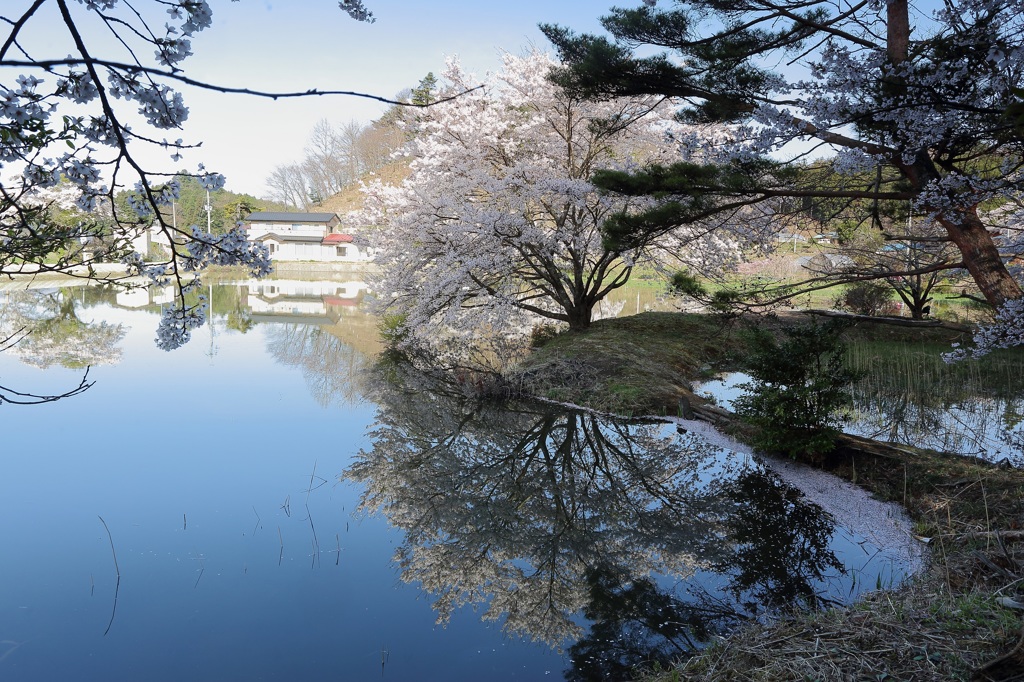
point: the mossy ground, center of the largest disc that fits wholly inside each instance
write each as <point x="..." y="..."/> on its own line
<point x="946" y="624"/>
<point x="641" y="364"/>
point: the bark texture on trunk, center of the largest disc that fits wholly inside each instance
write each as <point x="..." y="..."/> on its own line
<point x="981" y="258"/>
<point x="897" y="23"/>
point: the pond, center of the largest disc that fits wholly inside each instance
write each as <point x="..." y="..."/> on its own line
<point x="909" y="396"/>
<point x="262" y="504"/>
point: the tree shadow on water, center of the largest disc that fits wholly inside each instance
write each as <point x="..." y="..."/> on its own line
<point x="623" y="541"/>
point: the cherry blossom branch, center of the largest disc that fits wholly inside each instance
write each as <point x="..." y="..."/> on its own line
<point x="177" y="76"/>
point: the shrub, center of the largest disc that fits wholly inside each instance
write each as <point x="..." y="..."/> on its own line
<point x="720" y="300"/>
<point x="799" y="384"/>
<point x="865" y="298"/>
<point x="392" y="329"/>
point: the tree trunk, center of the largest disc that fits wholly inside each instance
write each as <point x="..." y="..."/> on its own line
<point x="981" y="258"/>
<point x="579" y="318"/>
<point x="980" y="255"/>
<point x="977" y="249"/>
<point x="897" y="19"/>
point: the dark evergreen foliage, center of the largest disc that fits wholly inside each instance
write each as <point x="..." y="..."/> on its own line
<point x="798" y="386"/>
<point x="919" y="106"/>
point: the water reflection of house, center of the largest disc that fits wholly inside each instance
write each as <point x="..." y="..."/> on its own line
<point x="142" y="296"/>
<point x="305" y="237"/>
<point x="304" y="302"/>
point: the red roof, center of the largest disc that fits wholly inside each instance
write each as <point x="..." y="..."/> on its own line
<point x="337" y="238"/>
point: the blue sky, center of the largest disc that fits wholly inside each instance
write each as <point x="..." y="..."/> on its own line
<point x="291" y="45"/>
<point x="295" y="45"/>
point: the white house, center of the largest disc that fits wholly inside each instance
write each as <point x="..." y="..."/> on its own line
<point x="305" y="237"/>
<point x="143" y="296"/>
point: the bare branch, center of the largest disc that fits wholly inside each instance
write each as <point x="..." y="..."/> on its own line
<point x="9" y="395"/>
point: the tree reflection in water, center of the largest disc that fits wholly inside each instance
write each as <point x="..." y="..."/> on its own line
<point x="329" y="365"/>
<point x="49" y="331"/>
<point x="626" y="540"/>
<point x="779" y="545"/>
<point x="910" y="396"/>
<point x="776" y="555"/>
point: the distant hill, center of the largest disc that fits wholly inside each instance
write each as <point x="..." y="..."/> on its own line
<point x="351" y="198"/>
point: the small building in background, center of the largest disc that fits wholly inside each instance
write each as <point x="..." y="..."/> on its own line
<point x="305" y="237"/>
<point x="790" y="237"/>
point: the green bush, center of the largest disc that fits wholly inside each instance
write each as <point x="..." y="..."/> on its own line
<point x="720" y="300"/>
<point x="865" y="298"/>
<point x="392" y="329"/>
<point x="799" y="385"/>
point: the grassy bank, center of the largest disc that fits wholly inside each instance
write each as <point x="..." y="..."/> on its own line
<point x="641" y="364"/>
<point x="948" y="623"/>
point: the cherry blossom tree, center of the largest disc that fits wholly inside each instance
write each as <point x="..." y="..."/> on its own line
<point x="506" y="506"/>
<point x="916" y="94"/>
<point x="330" y="365"/>
<point x="498" y="222"/>
<point x="18" y="319"/>
<point x="81" y="108"/>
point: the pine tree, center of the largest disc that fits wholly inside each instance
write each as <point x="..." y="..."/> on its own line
<point x="915" y="106"/>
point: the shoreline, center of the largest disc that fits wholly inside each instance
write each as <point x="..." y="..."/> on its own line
<point x="887" y="524"/>
<point x="947" y="621"/>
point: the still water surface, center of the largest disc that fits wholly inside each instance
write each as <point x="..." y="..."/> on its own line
<point x="909" y="396"/>
<point x="277" y="510"/>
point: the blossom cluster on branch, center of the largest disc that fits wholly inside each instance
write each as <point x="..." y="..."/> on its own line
<point x="81" y="108"/>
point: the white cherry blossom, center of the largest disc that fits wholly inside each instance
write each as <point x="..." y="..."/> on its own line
<point x="498" y="225"/>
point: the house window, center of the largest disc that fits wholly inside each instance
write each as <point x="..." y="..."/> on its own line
<point x="342" y="251"/>
<point x="271" y="247"/>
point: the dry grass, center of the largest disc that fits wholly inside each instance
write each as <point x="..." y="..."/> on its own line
<point x="945" y="624"/>
<point x="913" y="634"/>
<point x="351" y="198"/>
<point x="642" y="364"/>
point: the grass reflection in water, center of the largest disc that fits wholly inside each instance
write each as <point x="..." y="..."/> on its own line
<point x="911" y="396"/>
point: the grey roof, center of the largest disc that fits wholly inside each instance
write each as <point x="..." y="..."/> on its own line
<point x="304" y="239"/>
<point x="272" y="217"/>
